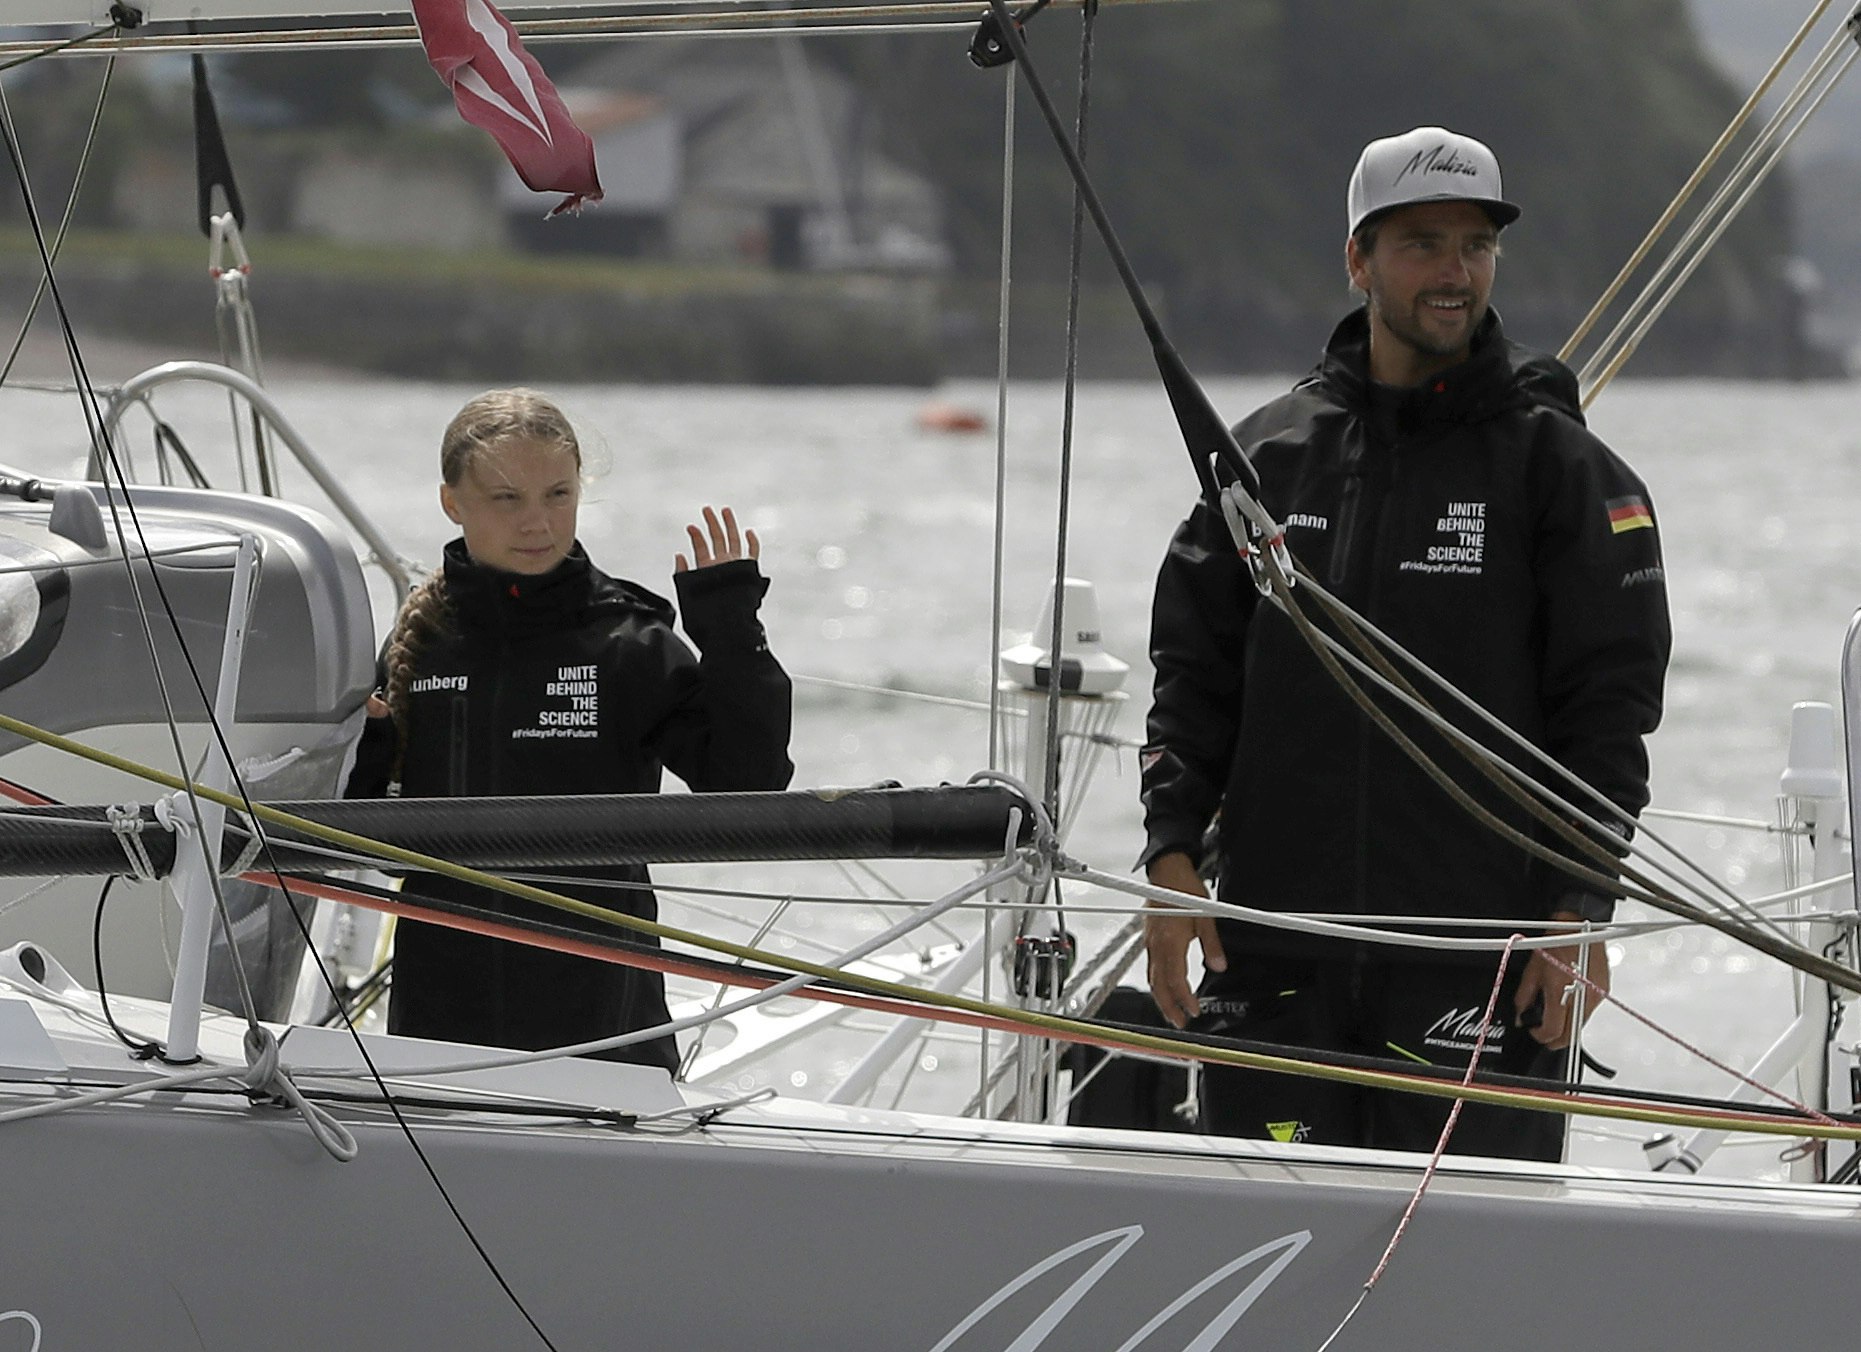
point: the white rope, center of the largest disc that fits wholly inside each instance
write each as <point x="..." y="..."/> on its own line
<point x="1732" y="823"/>
<point x="249" y="852"/>
<point x="265" y="1075"/>
<point x="126" y="824"/>
<point x="1561" y="934"/>
<point x="262" y="1074"/>
<point x="32" y="892"/>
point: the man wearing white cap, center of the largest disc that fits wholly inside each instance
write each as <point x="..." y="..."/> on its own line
<point x="1439" y="479"/>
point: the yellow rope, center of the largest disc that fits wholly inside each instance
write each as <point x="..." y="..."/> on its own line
<point x="1064" y="1028"/>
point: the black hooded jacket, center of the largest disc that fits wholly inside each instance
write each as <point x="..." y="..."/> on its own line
<point x="572" y="682"/>
<point x="1476" y="521"/>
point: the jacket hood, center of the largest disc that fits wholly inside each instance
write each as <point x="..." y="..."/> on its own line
<point x="1497" y="376"/>
<point x="574" y="590"/>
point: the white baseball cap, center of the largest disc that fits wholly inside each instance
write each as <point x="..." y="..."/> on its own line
<point x="1429" y="164"/>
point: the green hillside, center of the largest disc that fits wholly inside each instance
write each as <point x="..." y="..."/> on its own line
<point x="1222" y="135"/>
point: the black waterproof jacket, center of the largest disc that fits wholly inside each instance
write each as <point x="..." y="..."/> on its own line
<point x="572" y="682"/>
<point x="1479" y="523"/>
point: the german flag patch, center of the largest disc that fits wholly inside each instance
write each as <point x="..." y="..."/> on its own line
<point x="1629" y="513"/>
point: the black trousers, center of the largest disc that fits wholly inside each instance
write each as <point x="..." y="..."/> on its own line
<point x="1370" y="1003"/>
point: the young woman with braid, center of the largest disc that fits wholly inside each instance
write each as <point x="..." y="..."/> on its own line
<point x="518" y="668"/>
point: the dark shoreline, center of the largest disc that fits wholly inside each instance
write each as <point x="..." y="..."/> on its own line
<point x="501" y="318"/>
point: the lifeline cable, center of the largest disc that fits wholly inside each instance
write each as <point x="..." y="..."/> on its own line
<point x="122" y="19"/>
<point x="961" y="1009"/>
<point x="904" y="999"/>
<point x="967" y="1009"/>
<point x="1605" y="996"/>
<point x="1205" y="436"/>
<point x="673" y="20"/>
<point x="849" y="988"/>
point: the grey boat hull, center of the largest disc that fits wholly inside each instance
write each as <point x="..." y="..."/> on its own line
<point x="192" y="1221"/>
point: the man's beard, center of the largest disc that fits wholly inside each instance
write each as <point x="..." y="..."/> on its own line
<point x="1408" y="327"/>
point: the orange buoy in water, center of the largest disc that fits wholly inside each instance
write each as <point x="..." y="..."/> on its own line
<point x="950" y="418"/>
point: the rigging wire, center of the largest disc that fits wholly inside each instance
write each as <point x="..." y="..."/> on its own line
<point x="1771" y="154"/>
<point x="901" y="16"/>
<point x="122" y="18"/>
<point x="363" y="850"/>
<point x="696" y="1047"/>
<point x="1354" y="924"/>
<point x="1386" y="679"/>
<point x="71" y="204"/>
<point x="1068" y="406"/>
<point x="844" y="986"/>
<point x="998" y="556"/>
<point x="100" y="438"/>
<point x="1719" y="147"/>
<point x="1502" y="777"/>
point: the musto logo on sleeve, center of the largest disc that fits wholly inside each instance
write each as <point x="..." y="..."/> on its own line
<point x="571" y="706"/>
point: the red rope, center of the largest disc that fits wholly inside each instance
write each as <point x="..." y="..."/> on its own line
<point x="1434" y="1160"/>
<point x="1604" y="996"/>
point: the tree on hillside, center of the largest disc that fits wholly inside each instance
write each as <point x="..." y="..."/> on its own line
<point x="1222" y="136"/>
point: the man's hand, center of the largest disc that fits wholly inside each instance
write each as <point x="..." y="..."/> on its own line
<point x="1553" y="983"/>
<point x="1167" y="932"/>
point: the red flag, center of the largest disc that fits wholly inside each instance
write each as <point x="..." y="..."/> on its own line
<point x="498" y="86"/>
